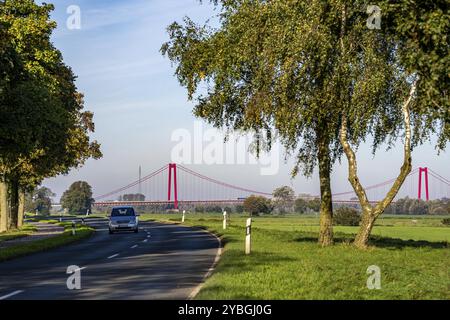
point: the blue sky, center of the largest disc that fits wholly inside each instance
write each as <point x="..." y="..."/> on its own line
<point x="138" y="103"/>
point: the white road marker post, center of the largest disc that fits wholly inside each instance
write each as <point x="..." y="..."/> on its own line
<point x="73" y="228"/>
<point x="248" y="236"/>
<point x="184" y="214"/>
<point x="225" y="220"/>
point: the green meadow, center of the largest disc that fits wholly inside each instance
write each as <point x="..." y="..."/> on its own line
<point x="412" y="253"/>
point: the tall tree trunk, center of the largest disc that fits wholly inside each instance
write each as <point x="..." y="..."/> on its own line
<point x="326" y="206"/>
<point x="14" y="204"/>
<point x="369" y="213"/>
<point x="3" y="206"/>
<point x="21" y="208"/>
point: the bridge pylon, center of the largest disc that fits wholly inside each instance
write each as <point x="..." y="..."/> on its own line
<point x="427" y="193"/>
<point x="173" y="166"/>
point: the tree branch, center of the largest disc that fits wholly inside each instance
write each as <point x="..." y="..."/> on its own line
<point x="407" y="163"/>
<point x="352" y="167"/>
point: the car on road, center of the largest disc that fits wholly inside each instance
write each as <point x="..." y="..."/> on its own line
<point x="123" y="218"/>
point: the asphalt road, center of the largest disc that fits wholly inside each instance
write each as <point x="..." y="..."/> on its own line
<point x="161" y="262"/>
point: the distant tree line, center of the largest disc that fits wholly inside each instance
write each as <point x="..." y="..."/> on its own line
<point x="419" y="207"/>
<point x="285" y="202"/>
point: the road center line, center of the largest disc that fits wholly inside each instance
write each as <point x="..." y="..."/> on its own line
<point x="113" y="256"/>
<point x="135" y="246"/>
<point x="145" y="240"/>
<point x="11" y="294"/>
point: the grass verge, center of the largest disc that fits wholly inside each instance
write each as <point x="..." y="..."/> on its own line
<point x="65" y="238"/>
<point x="16" y="234"/>
<point x="288" y="264"/>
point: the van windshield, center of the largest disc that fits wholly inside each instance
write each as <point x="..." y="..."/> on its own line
<point x="122" y="212"/>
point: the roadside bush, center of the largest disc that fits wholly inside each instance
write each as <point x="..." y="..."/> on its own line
<point x="256" y="205"/>
<point x="439" y="211"/>
<point x="446" y="222"/>
<point x="228" y="209"/>
<point x="301" y="205"/>
<point x="213" y="209"/>
<point x="346" y="217"/>
<point x="199" y="209"/>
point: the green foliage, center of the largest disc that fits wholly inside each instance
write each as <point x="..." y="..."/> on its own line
<point x="419" y="207"/>
<point x="78" y="198"/>
<point x="301" y="205"/>
<point x="44" y="130"/>
<point x="306" y="205"/>
<point x="256" y="205"/>
<point x="446" y="222"/>
<point x="421" y="29"/>
<point x="283" y="199"/>
<point x="39" y="199"/>
<point x="228" y="210"/>
<point x="281" y="65"/>
<point x="214" y="209"/>
<point x="345" y="216"/>
<point x="239" y="208"/>
<point x="210" y="209"/>
<point x="199" y="209"/>
<point x="314" y="205"/>
<point x="293" y="70"/>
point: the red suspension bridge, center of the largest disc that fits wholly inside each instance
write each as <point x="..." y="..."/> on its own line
<point x="176" y="185"/>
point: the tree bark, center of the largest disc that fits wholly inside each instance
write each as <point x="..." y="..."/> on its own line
<point x="369" y="213"/>
<point x="3" y="206"/>
<point x="326" y="206"/>
<point x="14" y="205"/>
<point x="21" y="212"/>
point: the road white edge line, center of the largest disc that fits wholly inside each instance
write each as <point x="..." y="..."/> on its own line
<point x="211" y="269"/>
<point x="113" y="256"/>
<point x="11" y="294"/>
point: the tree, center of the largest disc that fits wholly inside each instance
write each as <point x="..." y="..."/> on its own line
<point x="78" y="198"/>
<point x="255" y="205"/>
<point x="281" y="65"/>
<point x="301" y="205"/>
<point x="419" y="33"/>
<point x="44" y="129"/>
<point x="283" y="199"/>
<point x="40" y="199"/>
<point x="314" y="205"/>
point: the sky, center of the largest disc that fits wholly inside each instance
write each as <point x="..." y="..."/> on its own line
<point x="142" y="114"/>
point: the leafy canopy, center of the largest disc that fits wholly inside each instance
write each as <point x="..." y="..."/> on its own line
<point x="44" y="129"/>
<point x="293" y="66"/>
<point x="78" y="198"/>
